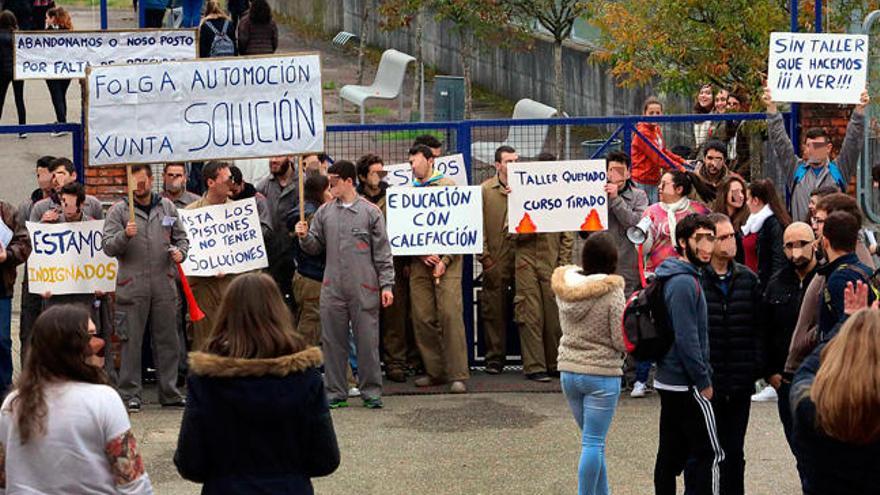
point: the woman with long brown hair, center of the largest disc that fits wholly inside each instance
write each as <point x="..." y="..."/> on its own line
<point x="836" y="402"/>
<point x="731" y="200"/>
<point x="257" y="387"/>
<point x="63" y="429"/>
<point x="762" y="232"/>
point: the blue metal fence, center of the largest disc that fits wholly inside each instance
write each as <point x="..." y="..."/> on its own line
<point x="76" y="136"/>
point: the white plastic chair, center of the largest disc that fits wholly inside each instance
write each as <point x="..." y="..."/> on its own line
<point x="386" y="86"/>
<point x="527" y="140"/>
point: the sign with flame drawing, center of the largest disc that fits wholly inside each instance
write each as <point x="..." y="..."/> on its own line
<point x="563" y="196"/>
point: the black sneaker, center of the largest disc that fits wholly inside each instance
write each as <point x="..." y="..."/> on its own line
<point x="180" y="404"/>
<point x="538" y="377"/>
<point x="494" y="368"/>
<point x="134" y="406"/>
<point x="553" y="374"/>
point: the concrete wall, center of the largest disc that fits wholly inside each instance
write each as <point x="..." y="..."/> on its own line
<point x="589" y="89"/>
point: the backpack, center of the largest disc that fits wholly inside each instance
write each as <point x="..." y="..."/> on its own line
<point x="801" y="171"/>
<point x="647" y="332"/>
<point x="222" y="46"/>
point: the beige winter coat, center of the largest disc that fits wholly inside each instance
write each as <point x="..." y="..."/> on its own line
<point x="590" y="313"/>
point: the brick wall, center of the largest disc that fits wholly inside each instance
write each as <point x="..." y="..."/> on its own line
<point x="106" y="183"/>
<point x="833" y="118"/>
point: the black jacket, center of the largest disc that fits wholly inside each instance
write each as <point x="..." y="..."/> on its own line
<point x="780" y="307"/>
<point x="771" y="257"/>
<point x="206" y="36"/>
<point x="256" y="426"/>
<point x="7" y="65"/>
<point x="735" y="333"/>
<point x="828" y="466"/>
<point x="307" y="265"/>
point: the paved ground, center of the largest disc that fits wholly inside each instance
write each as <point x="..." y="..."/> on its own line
<point x="476" y="444"/>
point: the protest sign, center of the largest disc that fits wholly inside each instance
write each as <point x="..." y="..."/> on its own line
<point x="66" y="54"/>
<point x="68" y="258"/>
<point x="223" y="238"/>
<point x="817" y="68"/>
<point x="204" y="110"/>
<point x="452" y="166"/>
<point x="435" y="220"/>
<point x="562" y="196"/>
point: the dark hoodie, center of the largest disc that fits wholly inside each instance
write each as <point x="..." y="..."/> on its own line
<point x="378" y="199"/>
<point x="687" y="362"/>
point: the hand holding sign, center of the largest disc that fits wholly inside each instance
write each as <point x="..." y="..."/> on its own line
<point x="301" y="229"/>
<point x="767" y="98"/>
<point x="864" y="100"/>
<point x="3" y="254"/>
<point x="131" y="229"/>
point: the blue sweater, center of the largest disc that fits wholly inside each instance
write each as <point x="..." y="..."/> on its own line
<point x="687" y="362"/>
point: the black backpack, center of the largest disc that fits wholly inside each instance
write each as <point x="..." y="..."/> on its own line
<point x="647" y="332"/>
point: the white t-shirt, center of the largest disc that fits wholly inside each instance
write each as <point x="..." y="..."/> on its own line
<point x="82" y="418"/>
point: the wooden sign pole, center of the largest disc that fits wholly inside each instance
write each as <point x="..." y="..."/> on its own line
<point x="302" y="205"/>
<point x="131" y="186"/>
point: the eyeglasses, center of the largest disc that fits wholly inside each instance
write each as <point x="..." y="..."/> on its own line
<point x="796" y="245"/>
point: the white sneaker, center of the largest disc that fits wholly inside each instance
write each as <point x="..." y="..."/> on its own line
<point x="766" y="395"/>
<point x="638" y="390"/>
<point x="354" y="392"/>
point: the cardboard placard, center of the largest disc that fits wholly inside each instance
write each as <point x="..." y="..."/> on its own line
<point x="68" y="258"/>
<point x="435" y="220"/>
<point x="224" y="239"/>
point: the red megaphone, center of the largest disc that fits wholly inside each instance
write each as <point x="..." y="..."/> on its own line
<point x="195" y="313"/>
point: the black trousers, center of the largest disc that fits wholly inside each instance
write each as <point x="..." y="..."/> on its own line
<point x="688" y="436"/>
<point x="31" y="307"/>
<point x="18" y="92"/>
<point x="38" y="18"/>
<point x="153" y="18"/>
<point x="783" y="405"/>
<point x="58" y="92"/>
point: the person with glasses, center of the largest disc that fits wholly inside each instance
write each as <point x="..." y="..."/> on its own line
<point x="817" y="169"/>
<point x="736" y="334"/>
<point x="780" y="306"/>
<point x="762" y="233"/>
<point x="684" y="375"/>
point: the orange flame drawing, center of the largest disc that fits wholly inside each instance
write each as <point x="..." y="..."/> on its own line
<point x="592" y="222"/>
<point x="526" y="225"/>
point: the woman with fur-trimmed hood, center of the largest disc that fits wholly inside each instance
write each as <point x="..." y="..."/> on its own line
<point x="591" y="303"/>
<point x="256" y="418"/>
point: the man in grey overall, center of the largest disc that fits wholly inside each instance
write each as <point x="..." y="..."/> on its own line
<point x="359" y="275"/>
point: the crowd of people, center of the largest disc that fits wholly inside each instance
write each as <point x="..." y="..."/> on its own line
<point x="763" y="289"/>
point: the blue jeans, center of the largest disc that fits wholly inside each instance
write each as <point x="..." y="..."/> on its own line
<point x="592" y="399"/>
<point x="192" y="13"/>
<point x="653" y="192"/>
<point x="5" y="344"/>
<point x="643" y="369"/>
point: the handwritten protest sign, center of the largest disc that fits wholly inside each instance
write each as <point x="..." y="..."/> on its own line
<point x="562" y="196"/>
<point x="435" y="220"/>
<point x="205" y="109"/>
<point x="68" y="258"/>
<point x="66" y="54"/>
<point x="400" y="174"/>
<point x="223" y="239"/>
<point x="817" y="68"/>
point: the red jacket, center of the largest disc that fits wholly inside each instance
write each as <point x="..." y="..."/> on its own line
<point x="646" y="163"/>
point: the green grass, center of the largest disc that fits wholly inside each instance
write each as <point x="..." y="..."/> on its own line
<point x="380" y="111"/>
<point x="410" y="135"/>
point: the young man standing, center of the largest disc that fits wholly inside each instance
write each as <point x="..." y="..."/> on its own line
<point x="147" y="250"/>
<point x="684" y="374"/>
<point x="736" y="335"/>
<point x="818" y="169"/>
<point x="280" y="189"/>
<point x="358" y="278"/>
<point x="626" y="205"/>
<point x="435" y="292"/>
<point x="497" y="259"/>
<point x="174" y="185"/>
<point x="48" y="210"/>
<point x="32" y="304"/>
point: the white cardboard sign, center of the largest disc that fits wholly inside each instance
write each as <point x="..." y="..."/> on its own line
<point x="564" y="196"/>
<point x="205" y="109"/>
<point x="223" y="238"/>
<point x="435" y="220"/>
<point x="66" y="54"/>
<point x="453" y="166"/>
<point x="817" y="68"/>
<point x="68" y="258"/>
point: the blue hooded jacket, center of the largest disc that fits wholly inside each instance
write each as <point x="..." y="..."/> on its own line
<point x="687" y="362"/>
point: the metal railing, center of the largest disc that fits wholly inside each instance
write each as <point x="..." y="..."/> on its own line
<point x="76" y="136"/>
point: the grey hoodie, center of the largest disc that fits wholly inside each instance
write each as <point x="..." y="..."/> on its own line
<point x="687" y="362"/>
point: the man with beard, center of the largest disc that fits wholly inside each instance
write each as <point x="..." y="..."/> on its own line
<point x="780" y="307"/>
<point x="736" y="336"/>
<point x="713" y="170"/>
<point x="684" y="374"/>
<point x="147" y="249"/>
<point x="280" y="189"/>
<point x="174" y="182"/>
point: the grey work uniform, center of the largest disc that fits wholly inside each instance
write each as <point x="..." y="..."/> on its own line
<point x="146" y="293"/>
<point x="279" y="246"/>
<point x="91" y="207"/>
<point x="183" y="200"/>
<point x="358" y="265"/>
